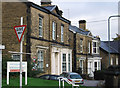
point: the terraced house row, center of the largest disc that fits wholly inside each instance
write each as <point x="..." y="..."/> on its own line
<point x="55" y="45"/>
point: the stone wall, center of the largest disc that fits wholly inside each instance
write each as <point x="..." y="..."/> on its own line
<point x="11" y="16"/>
<point x="105" y="59"/>
<point x="45" y="42"/>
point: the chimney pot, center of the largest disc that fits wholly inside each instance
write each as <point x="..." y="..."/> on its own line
<point x="82" y="24"/>
<point x="46" y="2"/>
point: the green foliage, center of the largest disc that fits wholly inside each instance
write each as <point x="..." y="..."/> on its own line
<point x="117" y="38"/>
<point x="79" y="70"/>
<point x="99" y="75"/>
<point x="31" y="72"/>
<point x="4" y="65"/>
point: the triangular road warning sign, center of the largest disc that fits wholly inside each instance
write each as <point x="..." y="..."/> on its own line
<point x="19" y="30"/>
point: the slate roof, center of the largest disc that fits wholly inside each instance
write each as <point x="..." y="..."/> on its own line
<point x="78" y="30"/>
<point x="114" y="46"/>
<point x="50" y="8"/>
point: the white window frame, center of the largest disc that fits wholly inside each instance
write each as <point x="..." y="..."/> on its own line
<point x="117" y="61"/>
<point x="89" y="48"/>
<point x="14" y="55"/>
<point x="40" y="26"/>
<point x="62" y="33"/>
<point x="53" y="30"/>
<point x="41" y="60"/>
<point x="99" y="65"/>
<point x="95" y="47"/>
<point x="111" y="61"/>
<point x="81" y="45"/>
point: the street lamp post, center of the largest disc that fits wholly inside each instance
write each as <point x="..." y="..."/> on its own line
<point x="109" y="34"/>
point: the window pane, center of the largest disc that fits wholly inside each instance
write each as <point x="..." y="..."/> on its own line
<point x="16" y="57"/>
<point x="94" y="44"/>
<point x="53" y="31"/>
<point x="81" y="45"/>
<point x="68" y="62"/>
<point x="95" y="65"/>
<point x="61" y="33"/>
<point x="40" y="60"/>
<point x="80" y="63"/>
<point x="94" y="50"/>
<point x="88" y="47"/>
<point x="40" y="27"/>
<point x="116" y="61"/>
<point x="64" y="63"/>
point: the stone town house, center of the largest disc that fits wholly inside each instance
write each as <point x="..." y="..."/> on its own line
<point x="46" y="36"/>
<point x="114" y="53"/>
<point x="86" y="49"/>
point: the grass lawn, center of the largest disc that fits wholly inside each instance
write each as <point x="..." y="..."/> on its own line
<point x="34" y="82"/>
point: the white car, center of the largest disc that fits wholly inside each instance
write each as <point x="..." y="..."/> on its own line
<point x="73" y="77"/>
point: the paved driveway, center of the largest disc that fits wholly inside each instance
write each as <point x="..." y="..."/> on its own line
<point x="92" y="83"/>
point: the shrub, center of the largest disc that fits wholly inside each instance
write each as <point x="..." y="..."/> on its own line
<point x="79" y="71"/>
<point x="99" y="75"/>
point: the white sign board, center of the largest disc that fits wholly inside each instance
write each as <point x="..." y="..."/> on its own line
<point x="15" y="67"/>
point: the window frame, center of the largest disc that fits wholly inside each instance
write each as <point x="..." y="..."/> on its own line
<point x="117" y="61"/>
<point x="62" y="33"/>
<point x="96" y="47"/>
<point x="69" y="62"/>
<point x="40" y="26"/>
<point x="54" y="27"/>
<point x="13" y="56"/>
<point x="64" y="62"/>
<point x="40" y="60"/>
<point x="81" y="45"/>
<point x="89" y="48"/>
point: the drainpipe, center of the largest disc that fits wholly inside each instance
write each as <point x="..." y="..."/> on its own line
<point x="74" y="50"/>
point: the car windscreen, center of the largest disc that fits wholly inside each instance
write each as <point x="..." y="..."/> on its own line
<point x="75" y="76"/>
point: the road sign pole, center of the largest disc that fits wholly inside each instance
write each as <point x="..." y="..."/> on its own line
<point x="21" y="48"/>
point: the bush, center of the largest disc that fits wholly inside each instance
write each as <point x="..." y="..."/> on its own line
<point x="4" y="66"/>
<point x="79" y="71"/>
<point x="32" y="73"/>
<point x="99" y="75"/>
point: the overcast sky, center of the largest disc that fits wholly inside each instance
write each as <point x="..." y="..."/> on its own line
<point x="95" y="12"/>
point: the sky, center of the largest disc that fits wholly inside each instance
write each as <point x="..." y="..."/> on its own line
<point x="96" y="14"/>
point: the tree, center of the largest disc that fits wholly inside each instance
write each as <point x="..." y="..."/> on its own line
<point x="117" y="38"/>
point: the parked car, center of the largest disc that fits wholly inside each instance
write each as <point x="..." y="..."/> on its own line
<point x="49" y="77"/>
<point x="73" y="77"/>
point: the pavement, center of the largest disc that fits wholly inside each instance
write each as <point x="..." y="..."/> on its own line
<point x="93" y="83"/>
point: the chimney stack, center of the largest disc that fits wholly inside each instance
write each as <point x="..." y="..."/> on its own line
<point x="82" y="24"/>
<point x="46" y="2"/>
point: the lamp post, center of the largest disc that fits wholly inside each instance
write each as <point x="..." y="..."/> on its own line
<point x="109" y="34"/>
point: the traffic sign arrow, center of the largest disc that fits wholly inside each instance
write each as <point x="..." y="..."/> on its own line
<point x="19" y="30"/>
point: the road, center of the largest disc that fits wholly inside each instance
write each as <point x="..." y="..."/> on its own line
<point x="92" y="83"/>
